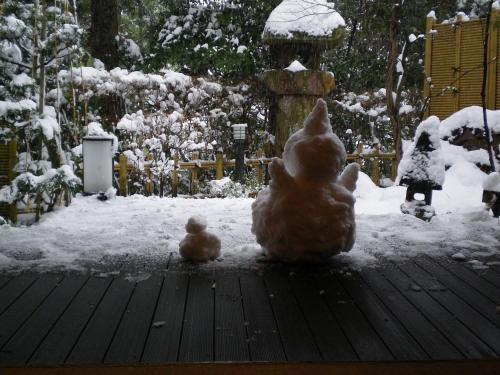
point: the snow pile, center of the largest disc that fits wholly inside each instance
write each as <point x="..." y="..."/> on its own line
<point x="316" y="18"/>
<point x="199" y="245"/>
<point x="21" y="80"/>
<point x="454" y="154"/>
<point x="296" y="66"/>
<point x="492" y="182"/>
<point x="307" y="212"/>
<point x="132" y="123"/>
<point x="472" y="118"/>
<point x="423" y="161"/>
<point x="7" y="107"/>
<point x="47" y="123"/>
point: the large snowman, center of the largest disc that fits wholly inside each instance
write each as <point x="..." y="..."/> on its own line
<point x="307" y="212"/>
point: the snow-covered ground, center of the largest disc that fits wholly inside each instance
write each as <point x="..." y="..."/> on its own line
<point x="150" y="228"/>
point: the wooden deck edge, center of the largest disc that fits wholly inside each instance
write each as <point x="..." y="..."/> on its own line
<point x="348" y="368"/>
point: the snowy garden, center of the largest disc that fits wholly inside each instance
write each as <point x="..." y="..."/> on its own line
<point x="61" y="84"/>
<point x="249" y="186"/>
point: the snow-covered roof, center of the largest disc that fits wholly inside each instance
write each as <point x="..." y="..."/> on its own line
<point x="303" y="18"/>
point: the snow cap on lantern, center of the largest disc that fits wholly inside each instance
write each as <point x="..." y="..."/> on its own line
<point x="307" y="212"/>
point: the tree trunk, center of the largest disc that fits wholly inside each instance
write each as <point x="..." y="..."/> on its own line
<point x="52" y="145"/>
<point x="392" y="104"/>
<point x="354" y="29"/>
<point x="103" y="31"/>
<point x="483" y="88"/>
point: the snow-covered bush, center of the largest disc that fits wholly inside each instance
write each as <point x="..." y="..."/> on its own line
<point x="166" y="115"/>
<point x="36" y="41"/>
<point x="216" y="37"/>
<point x="227" y="188"/>
<point x="44" y="191"/>
<point x="364" y="118"/>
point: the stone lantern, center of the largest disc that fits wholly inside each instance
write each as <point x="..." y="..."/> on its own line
<point x="298" y="32"/>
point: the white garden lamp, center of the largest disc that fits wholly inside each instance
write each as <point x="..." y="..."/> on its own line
<point x="97" y="164"/>
<point x="239" y="134"/>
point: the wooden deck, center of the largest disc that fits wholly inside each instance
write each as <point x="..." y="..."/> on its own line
<point x="425" y="309"/>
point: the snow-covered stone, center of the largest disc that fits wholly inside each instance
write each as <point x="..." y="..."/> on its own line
<point x="307" y="212"/>
<point x="472" y="118"/>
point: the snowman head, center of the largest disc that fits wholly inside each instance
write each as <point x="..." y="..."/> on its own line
<point x="315" y="152"/>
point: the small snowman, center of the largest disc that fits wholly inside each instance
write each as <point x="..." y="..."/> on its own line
<point x="199" y="245"/>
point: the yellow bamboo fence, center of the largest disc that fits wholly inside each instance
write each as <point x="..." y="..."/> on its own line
<point x="124" y="168"/>
<point x="8" y="157"/>
<point x="454" y="65"/>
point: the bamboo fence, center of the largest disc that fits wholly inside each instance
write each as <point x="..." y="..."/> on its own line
<point x="260" y="163"/>
<point x="454" y="65"/>
<point x="8" y="158"/>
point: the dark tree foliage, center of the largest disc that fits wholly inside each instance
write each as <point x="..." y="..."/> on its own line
<point x="361" y="63"/>
<point x="214" y="37"/>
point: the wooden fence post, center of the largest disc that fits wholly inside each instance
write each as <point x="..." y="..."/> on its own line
<point x="219" y="166"/>
<point x="123" y="175"/>
<point x="360" y="149"/>
<point x="376" y="165"/>
<point x="175" y="176"/>
<point x="394" y="169"/>
<point x="428" y="62"/>
<point x="194" y="175"/>
<point x="260" y="167"/>
<point x="11" y="176"/>
<point x="491" y="94"/>
<point x="458" y="61"/>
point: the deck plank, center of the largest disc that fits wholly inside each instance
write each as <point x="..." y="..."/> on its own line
<point x="475" y="299"/>
<point x="24" y="306"/>
<point x="366" y="342"/>
<point x="298" y="341"/>
<point x="94" y="341"/>
<point x="162" y="344"/>
<point x="14" y="289"/>
<point x="57" y="345"/>
<point x="128" y="344"/>
<point x="473" y="279"/>
<point x="435" y="344"/>
<point x="466" y="342"/>
<point x="490" y="275"/>
<point x="231" y="340"/>
<point x="331" y="340"/>
<point x="401" y="344"/>
<point x="267" y="345"/>
<point x="482" y="327"/>
<point x="20" y="347"/>
<point x="197" y="342"/>
<point x="4" y="280"/>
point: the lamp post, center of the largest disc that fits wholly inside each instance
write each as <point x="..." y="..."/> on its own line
<point x="97" y="164"/>
<point x="239" y="133"/>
